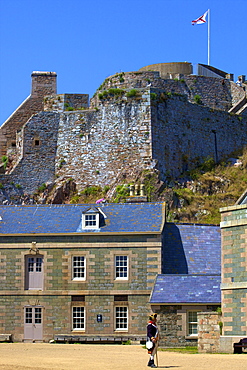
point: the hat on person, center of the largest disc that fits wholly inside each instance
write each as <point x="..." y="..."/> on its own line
<point x="153" y="316"/>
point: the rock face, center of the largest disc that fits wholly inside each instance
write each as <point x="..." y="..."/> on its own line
<point x="137" y="121"/>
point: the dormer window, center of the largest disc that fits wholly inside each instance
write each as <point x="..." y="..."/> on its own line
<point x="90" y="219"/>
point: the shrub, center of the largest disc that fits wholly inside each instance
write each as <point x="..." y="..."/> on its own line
<point x="1" y="186"/>
<point x="91" y="190"/>
<point x="5" y="161"/>
<point x="131" y="93"/>
<point x="197" y="99"/>
<point x="42" y="188"/>
<point x="153" y="96"/>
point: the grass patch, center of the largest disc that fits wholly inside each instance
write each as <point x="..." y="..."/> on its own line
<point x="187" y="349"/>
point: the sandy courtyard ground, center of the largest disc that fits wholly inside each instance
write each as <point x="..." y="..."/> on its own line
<point x="40" y="356"/>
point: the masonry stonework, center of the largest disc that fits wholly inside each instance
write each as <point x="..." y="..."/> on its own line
<point x="234" y="274"/>
<point x="136" y="121"/>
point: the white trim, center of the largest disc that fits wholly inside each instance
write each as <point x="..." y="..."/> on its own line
<point x="125" y="318"/>
<point x="127" y="267"/>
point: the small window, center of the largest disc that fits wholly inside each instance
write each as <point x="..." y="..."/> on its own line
<point x="36" y="142"/>
<point x="13" y="144"/>
<point x="192" y="323"/>
<point x="90" y="219"/>
<point x="121" y="317"/>
<point x="121" y="267"/>
<point x="79" y="268"/>
<point x="78" y="318"/>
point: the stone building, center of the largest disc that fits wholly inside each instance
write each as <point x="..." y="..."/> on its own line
<point x="78" y="272"/>
<point x="143" y="120"/>
<point x="189" y="283"/>
<point x="234" y="273"/>
<point x="94" y="272"/>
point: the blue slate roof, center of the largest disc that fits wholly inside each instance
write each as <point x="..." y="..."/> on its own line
<point x="66" y="218"/>
<point x="191" y="249"/>
<point x="180" y="289"/>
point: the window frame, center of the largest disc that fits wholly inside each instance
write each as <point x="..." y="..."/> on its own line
<point x="76" y="278"/>
<point x="117" y="268"/>
<point x="191" y="324"/>
<point x="90" y="213"/>
<point x="117" y="318"/>
<point x="80" y="307"/>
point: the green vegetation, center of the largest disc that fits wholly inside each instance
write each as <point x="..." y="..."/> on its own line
<point x="111" y="93"/>
<point x="121" y="78"/>
<point x="122" y="192"/>
<point x="18" y="186"/>
<point x="5" y="161"/>
<point x="61" y="163"/>
<point x="131" y="93"/>
<point x="212" y="186"/>
<point x="1" y="186"/>
<point x="91" y="190"/>
<point x="197" y="99"/>
<point x="187" y="349"/>
<point x="153" y="96"/>
<point x="42" y="188"/>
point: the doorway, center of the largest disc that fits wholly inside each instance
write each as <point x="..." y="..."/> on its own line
<point x="33" y="324"/>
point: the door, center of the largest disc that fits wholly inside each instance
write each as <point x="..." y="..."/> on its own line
<point x="33" y="328"/>
<point x="34" y="272"/>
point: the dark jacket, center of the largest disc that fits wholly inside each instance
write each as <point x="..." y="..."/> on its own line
<point x="152" y="330"/>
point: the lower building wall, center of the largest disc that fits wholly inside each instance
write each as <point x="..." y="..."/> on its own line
<point x="226" y="343"/>
<point x="43" y="317"/>
<point x="175" y="328"/>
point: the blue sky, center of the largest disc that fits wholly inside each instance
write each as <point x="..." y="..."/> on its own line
<point x="86" y="41"/>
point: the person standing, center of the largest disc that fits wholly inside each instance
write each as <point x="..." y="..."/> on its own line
<point x="153" y="337"/>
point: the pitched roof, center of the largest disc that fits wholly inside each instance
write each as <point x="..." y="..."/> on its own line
<point x="180" y="289"/>
<point x="66" y="218"/>
<point x="191" y="249"/>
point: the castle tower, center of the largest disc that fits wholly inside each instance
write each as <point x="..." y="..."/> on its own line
<point x="43" y="83"/>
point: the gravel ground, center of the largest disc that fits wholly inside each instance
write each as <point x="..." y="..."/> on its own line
<point x="40" y="356"/>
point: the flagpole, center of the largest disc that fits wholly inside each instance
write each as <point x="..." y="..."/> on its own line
<point x="208" y="36"/>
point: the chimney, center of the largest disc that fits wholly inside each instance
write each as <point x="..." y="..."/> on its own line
<point x="43" y="83"/>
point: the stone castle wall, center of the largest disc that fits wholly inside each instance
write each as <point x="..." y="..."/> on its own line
<point x="43" y="83"/>
<point x="119" y="135"/>
<point x="184" y="134"/>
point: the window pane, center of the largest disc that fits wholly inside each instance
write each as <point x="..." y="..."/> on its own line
<point x="30" y="264"/>
<point x="121" y="264"/>
<point x="78" y="267"/>
<point x="28" y="318"/>
<point x="121" y="317"/>
<point x="37" y="315"/>
<point x="38" y="264"/>
<point x="78" y="318"/>
<point x="90" y="220"/>
<point x="192" y="320"/>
